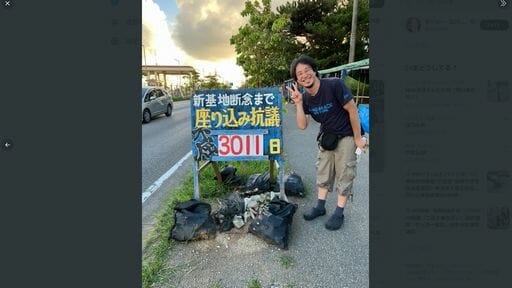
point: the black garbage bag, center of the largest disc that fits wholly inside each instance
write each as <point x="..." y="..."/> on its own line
<point x="275" y="228"/>
<point x="230" y="207"/>
<point x="293" y="185"/>
<point x="258" y="181"/>
<point x="193" y="221"/>
<point x="275" y="187"/>
<point x="229" y="177"/>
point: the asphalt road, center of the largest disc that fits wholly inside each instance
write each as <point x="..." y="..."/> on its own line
<point x="319" y="258"/>
<point x="165" y="141"/>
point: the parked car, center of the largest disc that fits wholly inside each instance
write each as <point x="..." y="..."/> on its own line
<point x="155" y="101"/>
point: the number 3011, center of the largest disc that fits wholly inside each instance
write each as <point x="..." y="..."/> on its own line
<point x="240" y="145"/>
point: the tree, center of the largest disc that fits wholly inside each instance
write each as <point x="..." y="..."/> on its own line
<point x="209" y="82"/>
<point x="269" y="41"/>
<point x="212" y="82"/>
<point x="264" y="45"/>
<point x="193" y="82"/>
<point x="324" y="27"/>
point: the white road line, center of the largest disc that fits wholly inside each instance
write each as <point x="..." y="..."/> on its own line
<point x="151" y="189"/>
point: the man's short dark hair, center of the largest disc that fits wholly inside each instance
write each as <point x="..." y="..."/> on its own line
<point x="306" y="60"/>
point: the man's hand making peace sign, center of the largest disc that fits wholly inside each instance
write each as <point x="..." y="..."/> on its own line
<point x="295" y="94"/>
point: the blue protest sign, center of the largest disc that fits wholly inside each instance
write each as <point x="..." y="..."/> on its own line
<point x="242" y="124"/>
<point x="236" y="125"/>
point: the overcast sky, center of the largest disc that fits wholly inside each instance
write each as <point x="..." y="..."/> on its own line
<point x="195" y="33"/>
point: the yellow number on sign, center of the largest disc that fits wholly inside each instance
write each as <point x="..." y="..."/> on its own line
<point x="275" y="146"/>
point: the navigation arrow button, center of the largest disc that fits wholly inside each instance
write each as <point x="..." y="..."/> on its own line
<point x="6" y="144"/>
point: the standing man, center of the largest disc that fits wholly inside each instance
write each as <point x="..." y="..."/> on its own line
<point x="330" y="102"/>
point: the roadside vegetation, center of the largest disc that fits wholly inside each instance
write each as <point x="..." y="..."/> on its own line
<point x="180" y="98"/>
<point x="286" y="261"/>
<point x="254" y="283"/>
<point x="353" y="84"/>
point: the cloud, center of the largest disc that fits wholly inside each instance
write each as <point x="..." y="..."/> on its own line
<point x="159" y="47"/>
<point x="227" y="70"/>
<point x="203" y="27"/>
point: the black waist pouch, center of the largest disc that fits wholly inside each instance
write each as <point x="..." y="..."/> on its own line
<point x="327" y="140"/>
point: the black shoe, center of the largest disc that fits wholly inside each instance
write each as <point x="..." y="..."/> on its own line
<point x="335" y="222"/>
<point x="313" y="213"/>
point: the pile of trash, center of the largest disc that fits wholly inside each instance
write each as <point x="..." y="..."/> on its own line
<point x="193" y="221"/>
<point x="269" y="216"/>
<point x="274" y="226"/>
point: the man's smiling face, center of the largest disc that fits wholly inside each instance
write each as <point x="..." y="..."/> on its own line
<point x="305" y="75"/>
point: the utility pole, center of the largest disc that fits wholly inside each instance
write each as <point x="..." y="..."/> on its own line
<point x="353" y="32"/>
<point x="144" y="54"/>
<point x="179" y="77"/>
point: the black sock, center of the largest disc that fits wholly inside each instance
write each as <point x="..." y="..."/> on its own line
<point x="320" y="205"/>
<point x="339" y="211"/>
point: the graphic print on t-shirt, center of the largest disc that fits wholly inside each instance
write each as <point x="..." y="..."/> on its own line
<point x="321" y="109"/>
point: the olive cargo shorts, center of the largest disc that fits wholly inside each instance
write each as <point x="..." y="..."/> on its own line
<point x="339" y="165"/>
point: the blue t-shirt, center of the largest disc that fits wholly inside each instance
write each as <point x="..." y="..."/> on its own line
<point x="326" y="107"/>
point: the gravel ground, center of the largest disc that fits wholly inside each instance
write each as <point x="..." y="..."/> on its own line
<point x="315" y="257"/>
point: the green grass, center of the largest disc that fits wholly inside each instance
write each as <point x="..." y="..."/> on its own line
<point x="254" y="283"/>
<point x="306" y="187"/>
<point x="286" y="261"/>
<point x="156" y="248"/>
<point x="179" y="98"/>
